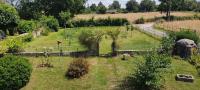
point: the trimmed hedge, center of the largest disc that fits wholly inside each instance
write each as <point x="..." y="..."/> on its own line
<point x="100" y="22"/>
<point x="15" y="72"/>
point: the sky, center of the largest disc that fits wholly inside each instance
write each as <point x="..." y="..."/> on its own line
<point x="108" y="2"/>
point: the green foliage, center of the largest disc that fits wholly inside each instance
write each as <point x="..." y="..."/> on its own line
<point x="148" y="75"/>
<point x="64" y="19"/>
<point x="140" y="21"/>
<point x="114" y="34"/>
<point x="101" y="8"/>
<point x="8" y="18"/>
<point x="187" y="34"/>
<point x="132" y="6"/>
<point x="27" y="38"/>
<point x="115" y="5"/>
<point x="78" y="68"/>
<point x="147" y="5"/>
<point x="167" y="44"/>
<point x="15" y="72"/>
<point x="101" y="22"/>
<point x="14" y="45"/>
<point x="50" y="22"/>
<point x="45" y="31"/>
<point x="26" y="26"/>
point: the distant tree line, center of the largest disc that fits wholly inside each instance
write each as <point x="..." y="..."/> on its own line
<point x="146" y="6"/>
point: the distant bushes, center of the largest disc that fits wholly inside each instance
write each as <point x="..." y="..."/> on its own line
<point x="15" y="72"/>
<point x="77" y="68"/>
<point x="140" y="21"/>
<point x="100" y="22"/>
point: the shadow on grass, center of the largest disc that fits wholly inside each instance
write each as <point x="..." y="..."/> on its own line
<point x="126" y="84"/>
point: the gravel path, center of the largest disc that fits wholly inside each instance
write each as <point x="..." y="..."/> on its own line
<point x="148" y="28"/>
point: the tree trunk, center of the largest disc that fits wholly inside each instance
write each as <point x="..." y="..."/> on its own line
<point x="114" y="53"/>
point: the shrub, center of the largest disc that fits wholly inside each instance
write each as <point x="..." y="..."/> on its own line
<point x="167" y="44"/>
<point x="45" y="31"/>
<point x="198" y="70"/>
<point x="140" y="21"/>
<point x="14" y="45"/>
<point x="9" y="18"/>
<point x="50" y="22"/>
<point x="147" y="76"/>
<point x="77" y="69"/>
<point x="14" y="72"/>
<point x="187" y="34"/>
<point x="100" y="22"/>
<point x="27" y="38"/>
<point x="26" y="26"/>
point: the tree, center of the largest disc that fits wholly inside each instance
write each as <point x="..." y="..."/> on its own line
<point x="101" y="8"/>
<point x="93" y="7"/>
<point x="64" y="19"/>
<point x="147" y="5"/>
<point x="115" y="5"/>
<point x="52" y="7"/>
<point x="165" y="6"/>
<point x="114" y="34"/>
<point x="91" y="39"/>
<point x="8" y="18"/>
<point x="132" y="6"/>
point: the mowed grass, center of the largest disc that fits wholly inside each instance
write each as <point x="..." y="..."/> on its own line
<point x="128" y="40"/>
<point x="132" y="16"/>
<point x="178" y="25"/>
<point x="104" y="74"/>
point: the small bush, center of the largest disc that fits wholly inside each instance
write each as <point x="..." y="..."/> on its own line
<point x="140" y="21"/>
<point x="45" y="31"/>
<point x="51" y="22"/>
<point x="187" y="34"/>
<point x="77" y="69"/>
<point x="14" y="72"/>
<point x="27" y="38"/>
<point x="26" y="26"/>
<point x="14" y="45"/>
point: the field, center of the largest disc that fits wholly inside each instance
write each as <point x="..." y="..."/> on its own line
<point x="105" y="74"/>
<point x="177" y="25"/>
<point x="132" y="16"/>
<point x="129" y="40"/>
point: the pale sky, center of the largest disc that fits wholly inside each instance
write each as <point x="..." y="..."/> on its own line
<point x="108" y="2"/>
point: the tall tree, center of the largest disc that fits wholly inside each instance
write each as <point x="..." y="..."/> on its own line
<point x="132" y="6"/>
<point x="147" y="5"/>
<point x="101" y="8"/>
<point x="52" y="7"/>
<point x="93" y="7"/>
<point x="165" y="6"/>
<point x="115" y="5"/>
<point x="114" y="34"/>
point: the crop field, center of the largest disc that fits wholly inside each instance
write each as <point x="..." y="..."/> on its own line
<point x="132" y="16"/>
<point x="129" y="40"/>
<point x="178" y="25"/>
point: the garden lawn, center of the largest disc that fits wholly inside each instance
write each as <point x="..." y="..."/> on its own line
<point x="104" y="74"/>
<point x="128" y="40"/>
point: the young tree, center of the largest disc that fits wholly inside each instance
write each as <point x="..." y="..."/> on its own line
<point x="114" y="34"/>
<point x="132" y="6"/>
<point x="147" y="5"/>
<point x="64" y="18"/>
<point x="115" y="5"/>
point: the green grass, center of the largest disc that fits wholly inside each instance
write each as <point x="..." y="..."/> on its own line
<point x="104" y="74"/>
<point x="128" y="40"/>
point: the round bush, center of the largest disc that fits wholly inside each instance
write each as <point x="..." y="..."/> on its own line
<point x="77" y="69"/>
<point x="51" y="22"/>
<point x="14" y="72"/>
<point x="26" y="26"/>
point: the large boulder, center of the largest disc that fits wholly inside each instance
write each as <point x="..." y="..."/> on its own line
<point x="2" y="35"/>
<point x="184" y="48"/>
